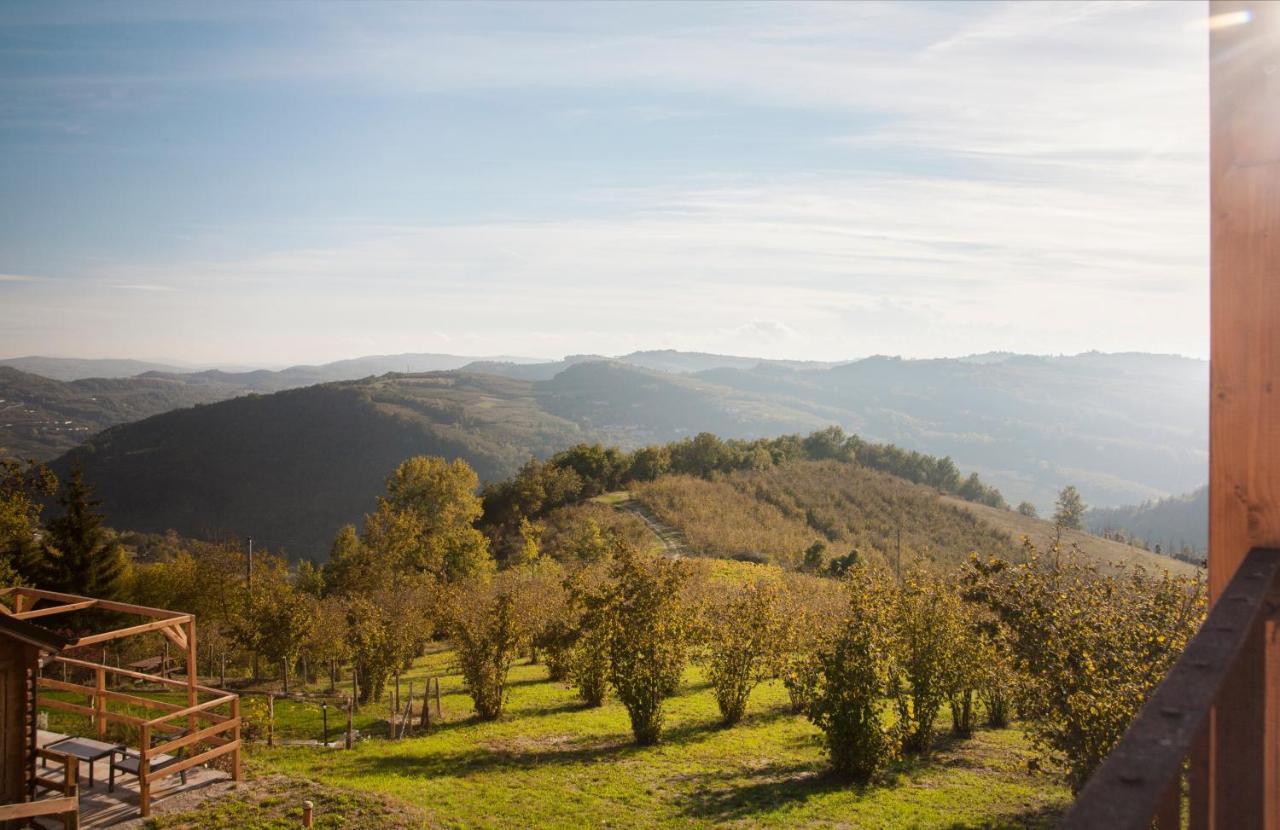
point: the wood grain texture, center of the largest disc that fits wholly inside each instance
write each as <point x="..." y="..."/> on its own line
<point x="1244" y="412"/>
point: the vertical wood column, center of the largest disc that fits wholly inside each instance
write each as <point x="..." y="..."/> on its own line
<point x="193" y="671"/>
<point x="1243" y="749"/>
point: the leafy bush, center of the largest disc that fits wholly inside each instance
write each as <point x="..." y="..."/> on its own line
<point x="647" y="637"/>
<point x="488" y="633"/>
<point x="1090" y="647"/>
<point x="853" y="672"/>
<point x="925" y="621"/>
<point x="747" y="634"/>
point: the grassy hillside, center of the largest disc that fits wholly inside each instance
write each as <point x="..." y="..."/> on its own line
<point x="1042" y="534"/>
<point x="779" y="512"/>
<point x="550" y="762"/>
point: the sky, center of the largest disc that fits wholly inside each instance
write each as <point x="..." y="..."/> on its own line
<point x="274" y="183"/>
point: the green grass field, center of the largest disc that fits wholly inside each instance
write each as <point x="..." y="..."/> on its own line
<point x="550" y="762"/>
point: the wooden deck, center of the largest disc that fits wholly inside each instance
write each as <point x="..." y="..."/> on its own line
<point x="99" y="808"/>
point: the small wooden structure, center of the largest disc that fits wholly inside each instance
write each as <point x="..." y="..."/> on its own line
<point x="21" y="646"/>
<point x="213" y="722"/>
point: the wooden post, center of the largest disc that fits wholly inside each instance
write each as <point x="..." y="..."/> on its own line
<point x="355" y="686"/>
<point x="271" y="719"/>
<point x="164" y="659"/>
<point x="439" y="714"/>
<point x="144" y="770"/>
<point x="193" y="672"/>
<point x="307" y="813"/>
<point x="1243" y="765"/>
<point x="408" y="710"/>
<point x="396" y="702"/>
<point x="100" y="703"/>
<point x="235" y="753"/>
<point x="350" y="710"/>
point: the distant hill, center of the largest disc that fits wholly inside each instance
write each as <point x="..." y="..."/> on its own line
<point x="74" y="368"/>
<point x="58" y="402"/>
<point x="1173" y="523"/>
<point x="40" y="417"/>
<point x="1122" y="427"/>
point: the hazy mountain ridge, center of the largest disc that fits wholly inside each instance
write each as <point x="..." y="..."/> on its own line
<point x="1027" y="425"/>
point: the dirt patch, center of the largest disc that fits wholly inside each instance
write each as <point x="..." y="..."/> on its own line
<point x="275" y="802"/>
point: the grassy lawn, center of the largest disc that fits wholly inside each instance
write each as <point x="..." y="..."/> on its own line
<point x="550" y="762"/>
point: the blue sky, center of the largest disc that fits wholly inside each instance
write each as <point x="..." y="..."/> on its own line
<point x="275" y="183"/>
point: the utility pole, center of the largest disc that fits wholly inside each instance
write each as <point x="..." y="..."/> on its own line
<point x="899" y="567"/>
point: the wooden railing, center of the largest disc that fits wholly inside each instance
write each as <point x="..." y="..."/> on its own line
<point x="1146" y="778"/>
<point x="65" y="805"/>
<point x="221" y="734"/>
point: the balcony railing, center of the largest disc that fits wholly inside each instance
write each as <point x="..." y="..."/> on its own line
<point x="1146" y="777"/>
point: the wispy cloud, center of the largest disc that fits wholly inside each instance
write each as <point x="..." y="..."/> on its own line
<point x="952" y="177"/>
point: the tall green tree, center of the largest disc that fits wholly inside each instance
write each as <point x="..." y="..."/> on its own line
<point x="82" y="558"/>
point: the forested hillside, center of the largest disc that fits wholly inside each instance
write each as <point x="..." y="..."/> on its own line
<point x="1178" y="524"/>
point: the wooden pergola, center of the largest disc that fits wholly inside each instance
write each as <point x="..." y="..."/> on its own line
<point x="198" y="722"/>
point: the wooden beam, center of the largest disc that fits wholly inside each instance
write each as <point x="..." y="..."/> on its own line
<point x="175" y="636"/>
<point x="137" y="675"/>
<point x="1244" y="410"/>
<point x="55" y="609"/>
<point x="131" y="631"/>
<point x="106" y="604"/>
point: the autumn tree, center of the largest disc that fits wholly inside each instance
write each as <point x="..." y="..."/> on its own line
<point x="1070" y="509"/>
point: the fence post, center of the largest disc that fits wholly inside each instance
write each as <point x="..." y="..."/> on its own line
<point x="307" y="813"/>
<point x="439" y="712"/>
<point x="349" y="719"/>
<point x="144" y="770"/>
<point x="235" y="736"/>
<point x="271" y="719"/>
<point x="100" y="703"/>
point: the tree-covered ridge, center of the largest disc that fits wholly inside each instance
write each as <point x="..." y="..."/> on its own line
<point x="715" y="479"/>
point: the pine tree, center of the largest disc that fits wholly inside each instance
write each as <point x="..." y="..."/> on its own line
<point x="81" y="557"/>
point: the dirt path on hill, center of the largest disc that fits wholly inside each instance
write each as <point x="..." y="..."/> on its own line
<point x="673" y="541"/>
